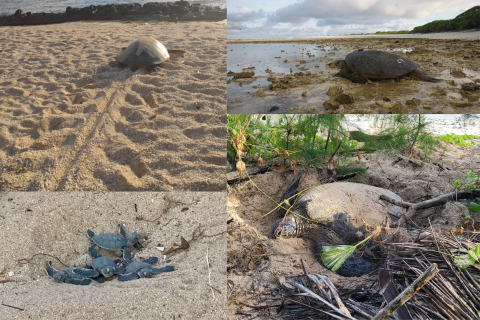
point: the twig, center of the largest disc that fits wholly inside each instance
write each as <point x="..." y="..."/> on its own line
<point x="407" y="293"/>
<point x="6" y="305"/>
<point x="209" y="273"/>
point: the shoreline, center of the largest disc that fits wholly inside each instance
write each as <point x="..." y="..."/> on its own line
<point x="460" y="35"/>
<point x="159" y="11"/>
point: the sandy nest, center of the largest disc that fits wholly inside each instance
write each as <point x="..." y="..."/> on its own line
<point x="72" y="118"/>
<point x="255" y="259"/>
<point x="52" y="226"/>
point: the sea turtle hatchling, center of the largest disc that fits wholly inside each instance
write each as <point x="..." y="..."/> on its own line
<point x="113" y="241"/>
<point x="78" y="276"/>
<point x="141" y="269"/>
<point x="363" y="65"/>
<point x="106" y="266"/>
<point x="144" y="52"/>
<point x="337" y="214"/>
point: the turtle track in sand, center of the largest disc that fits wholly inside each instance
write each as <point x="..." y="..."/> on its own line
<point x="72" y="119"/>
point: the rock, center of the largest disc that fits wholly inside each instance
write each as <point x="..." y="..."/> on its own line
<point x="335" y="90"/>
<point x="384" y="104"/>
<point x="450" y="82"/>
<point x="331" y="104"/>
<point x="470" y="86"/>
<point x="413" y="103"/>
<point x="273" y="109"/>
<point x="345" y="97"/>
<point x="458" y="74"/>
<point x="19" y="12"/>
<point x="386" y="99"/>
<point x="399" y="108"/>
<point x="427" y="107"/>
<point x="461" y="103"/>
<point x="473" y="97"/>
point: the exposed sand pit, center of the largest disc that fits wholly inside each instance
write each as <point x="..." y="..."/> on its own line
<point x="55" y="224"/>
<point x="255" y="259"/>
<point x="294" y="75"/>
<point x="72" y="118"/>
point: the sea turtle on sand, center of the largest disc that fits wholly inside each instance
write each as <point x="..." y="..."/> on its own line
<point x="364" y="65"/>
<point x="346" y="213"/>
<point x="144" y="52"/>
<point x="141" y="269"/>
<point x="78" y="276"/>
<point x="106" y="266"/>
<point x="113" y="241"/>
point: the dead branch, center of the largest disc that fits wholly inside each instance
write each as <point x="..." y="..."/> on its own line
<point x="412" y="208"/>
<point x="416" y="162"/>
<point x="407" y="293"/>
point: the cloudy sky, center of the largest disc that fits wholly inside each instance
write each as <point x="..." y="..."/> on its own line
<point x="258" y="19"/>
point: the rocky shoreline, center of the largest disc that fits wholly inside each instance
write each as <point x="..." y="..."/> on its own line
<point x="162" y="11"/>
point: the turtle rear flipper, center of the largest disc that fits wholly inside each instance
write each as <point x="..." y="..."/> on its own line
<point x="163" y="269"/>
<point x="128" y="276"/>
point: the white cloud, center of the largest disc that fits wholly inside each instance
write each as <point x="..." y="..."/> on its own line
<point x="243" y="9"/>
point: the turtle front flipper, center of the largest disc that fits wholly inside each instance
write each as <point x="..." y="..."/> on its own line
<point x="58" y="276"/>
<point x="79" y="282"/>
<point x="151" y="260"/>
<point x="93" y="251"/>
<point x="289" y="194"/>
<point x="421" y="75"/>
<point x="90" y="273"/>
<point x="128" y="276"/>
<point x="162" y="269"/>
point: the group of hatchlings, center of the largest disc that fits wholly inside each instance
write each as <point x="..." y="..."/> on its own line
<point x="102" y="267"/>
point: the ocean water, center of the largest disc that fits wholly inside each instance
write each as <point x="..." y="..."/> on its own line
<point x="8" y="7"/>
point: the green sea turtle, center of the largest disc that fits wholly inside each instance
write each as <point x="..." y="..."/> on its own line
<point x="363" y="65"/>
<point x="345" y="213"/>
<point x="141" y="269"/>
<point x="78" y="276"/>
<point x="113" y="241"/>
<point x="144" y="52"/>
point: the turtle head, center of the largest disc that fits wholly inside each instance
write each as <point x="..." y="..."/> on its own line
<point x="145" y="273"/>
<point x="287" y="229"/>
<point x="109" y="271"/>
<point x="133" y="238"/>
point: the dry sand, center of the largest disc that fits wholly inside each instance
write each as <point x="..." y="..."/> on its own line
<point x="254" y="256"/>
<point x="71" y="118"/>
<point x="55" y="224"/>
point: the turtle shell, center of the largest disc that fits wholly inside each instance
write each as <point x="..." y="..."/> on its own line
<point x="144" y="52"/>
<point x="352" y="210"/>
<point x="110" y="241"/>
<point x="381" y="64"/>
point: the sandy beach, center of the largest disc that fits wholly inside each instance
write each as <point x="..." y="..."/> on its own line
<point x="257" y="262"/>
<point x="52" y="226"/>
<point x="294" y="75"/>
<point x="72" y="118"/>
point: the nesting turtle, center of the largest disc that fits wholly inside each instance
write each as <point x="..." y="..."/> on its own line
<point x="113" y="241"/>
<point x="144" y="52"/>
<point x="78" y="276"/>
<point x="364" y="65"/>
<point x="141" y="269"/>
<point x="344" y="213"/>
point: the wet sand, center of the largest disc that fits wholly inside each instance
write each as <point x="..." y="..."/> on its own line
<point x="305" y="65"/>
<point x="72" y="118"/>
<point x="46" y="226"/>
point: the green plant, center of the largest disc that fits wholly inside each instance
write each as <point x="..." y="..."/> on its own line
<point x="466" y="260"/>
<point x="459" y="140"/>
<point x="334" y="256"/>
